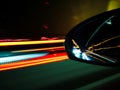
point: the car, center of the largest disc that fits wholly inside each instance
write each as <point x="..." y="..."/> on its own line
<point x="96" y="40"/>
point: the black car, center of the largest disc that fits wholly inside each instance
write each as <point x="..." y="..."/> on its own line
<point x="96" y="40"/>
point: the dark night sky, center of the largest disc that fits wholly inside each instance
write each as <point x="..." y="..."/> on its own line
<point x="36" y="18"/>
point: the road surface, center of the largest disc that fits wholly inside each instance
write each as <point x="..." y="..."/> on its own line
<point x="62" y="75"/>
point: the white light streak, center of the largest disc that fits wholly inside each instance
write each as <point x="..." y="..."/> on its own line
<point x="20" y="57"/>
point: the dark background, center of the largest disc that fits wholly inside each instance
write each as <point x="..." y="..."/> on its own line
<point x="51" y="18"/>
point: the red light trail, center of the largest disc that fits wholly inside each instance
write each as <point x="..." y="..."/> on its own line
<point x="36" y="61"/>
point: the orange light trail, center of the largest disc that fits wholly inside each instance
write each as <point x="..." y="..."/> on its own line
<point x="36" y="61"/>
<point x="105" y="48"/>
<point x="31" y="42"/>
<point x="107" y="40"/>
<point x="39" y="49"/>
<point x="118" y="46"/>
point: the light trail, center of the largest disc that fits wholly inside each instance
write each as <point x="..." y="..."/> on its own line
<point x="102" y="42"/>
<point x="39" y="49"/>
<point x="118" y="46"/>
<point x="31" y="42"/>
<point x="95" y="58"/>
<point x="15" y="58"/>
<point x="32" y="62"/>
<point x="98" y="30"/>
<point x="76" y="45"/>
<point x="106" y="40"/>
<point x="103" y="57"/>
<point x="105" y="48"/>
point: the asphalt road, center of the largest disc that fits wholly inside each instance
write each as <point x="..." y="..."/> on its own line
<point x="63" y="75"/>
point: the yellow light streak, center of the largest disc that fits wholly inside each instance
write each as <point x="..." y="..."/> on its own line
<point x="105" y="48"/>
<point x="75" y="43"/>
<point x="31" y="42"/>
<point x="31" y="63"/>
<point x="106" y="40"/>
<point x="38" y="49"/>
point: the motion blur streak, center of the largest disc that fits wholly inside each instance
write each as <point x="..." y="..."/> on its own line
<point x="105" y="48"/>
<point x="98" y="29"/>
<point x="107" y="40"/>
<point x="100" y="56"/>
<point x="20" y="57"/>
<point x="39" y="49"/>
<point x="31" y="42"/>
<point x="76" y="45"/>
<point x="33" y="62"/>
<point x="96" y="58"/>
<point x="118" y="46"/>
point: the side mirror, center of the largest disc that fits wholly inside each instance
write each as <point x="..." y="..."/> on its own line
<point x="96" y="40"/>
